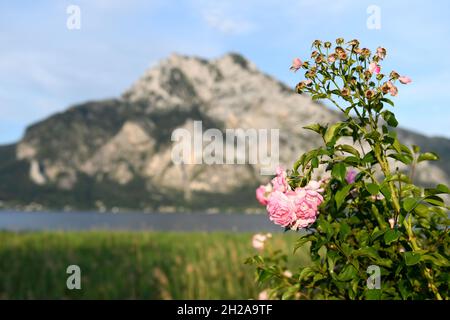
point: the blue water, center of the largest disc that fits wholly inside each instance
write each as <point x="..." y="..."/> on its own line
<point x="22" y="221"/>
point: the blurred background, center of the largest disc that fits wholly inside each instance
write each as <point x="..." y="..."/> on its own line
<point x="91" y="92"/>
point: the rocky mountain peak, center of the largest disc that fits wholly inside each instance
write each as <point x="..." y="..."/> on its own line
<point x="180" y="79"/>
<point x="118" y="151"/>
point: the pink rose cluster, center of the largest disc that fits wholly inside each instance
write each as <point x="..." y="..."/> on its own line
<point x="294" y="209"/>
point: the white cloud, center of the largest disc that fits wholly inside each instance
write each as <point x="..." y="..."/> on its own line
<point x="225" y="16"/>
<point x="219" y="20"/>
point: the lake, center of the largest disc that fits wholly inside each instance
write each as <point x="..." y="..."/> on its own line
<point x="65" y="221"/>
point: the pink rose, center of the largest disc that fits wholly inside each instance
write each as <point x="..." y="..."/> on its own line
<point x="296" y="64"/>
<point x="263" y="192"/>
<point x="259" y="240"/>
<point x="392" y="223"/>
<point x="313" y="198"/>
<point x="377" y="197"/>
<point x="374" y="68"/>
<point x="350" y="176"/>
<point x="314" y="185"/>
<point x="279" y="182"/>
<point x="392" y="89"/>
<point x="281" y="209"/>
<point x="263" y="295"/>
<point x="306" y="203"/>
<point x="405" y="80"/>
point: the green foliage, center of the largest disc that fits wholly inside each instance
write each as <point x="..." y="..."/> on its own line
<point x="132" y="265"/>
<point x="382" y="218"/>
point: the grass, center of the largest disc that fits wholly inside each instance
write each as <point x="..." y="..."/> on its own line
<point x="131" y="265"/>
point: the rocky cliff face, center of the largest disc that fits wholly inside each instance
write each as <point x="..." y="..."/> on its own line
<point x="118" y="152"/>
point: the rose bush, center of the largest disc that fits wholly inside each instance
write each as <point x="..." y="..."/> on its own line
<point x="365" y="213"/>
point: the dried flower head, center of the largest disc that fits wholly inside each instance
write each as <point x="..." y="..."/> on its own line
<point x="339" y="50"/>
<point x="317" y="43"/>
<point x="385" y="88"/>
<point x="365" y="52"/>
<point x="381" y="52"/>
<point x="392" y="89"/>
<point x="394" y="75"/>
<point x="319" y="59"/>
<point x="345" y="92"/>
<point x="357" y="50"/>
<point x="339" y="41"/>
<point x="354" y="43"/>
<point x="369" y="94"/>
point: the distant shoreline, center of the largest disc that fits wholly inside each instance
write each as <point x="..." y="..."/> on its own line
<point x="135" y="221"/>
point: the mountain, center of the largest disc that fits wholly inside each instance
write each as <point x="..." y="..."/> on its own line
<point x="117" y="153"/>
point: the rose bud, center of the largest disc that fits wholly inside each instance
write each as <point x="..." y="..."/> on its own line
<point x="404" y="79"/>
<point x="296" y="64"/>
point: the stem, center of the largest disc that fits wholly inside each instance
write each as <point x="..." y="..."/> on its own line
<point x="424" y="269"/>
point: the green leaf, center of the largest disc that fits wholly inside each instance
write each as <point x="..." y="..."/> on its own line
<point x="344" y="230"/>
<point x="401" y="157"/>
<point x="376" y="233"/>
<point x="369" y="158"/>
<point x="428" y="156"/>
<point x="352" y="161"/>
<point x="406" y="150"/>
<point x="387" y="101"/>
<point x="348" y="273"/>
<point x="349" y="149"/>
<point x="306" y="273"/>
<point x="412" y="258"/>
<point x="373" y="188"/>
<point x="386" y="192"/>
<point x="264" y="275"/>
<point x="443" y="188"/>
<point x="421" y="210"/>
<point x="315" y="162"/>
<point x="332" y="132"/>
<point x="440" y="189"/>
<point x="302" y="241"/>
<point x="397" y="146"/>
<point x="391" y="236"/>
<point x="341" y="195"/>
<point x="410" y="203"/>
<point x="436" y="259"/>
<point x="374" y="294"/>
<point x="315" y="127"/>
<point x="435" y="200"/>
<point x="390" y="119"/>
<point x="326" y="227"/>
<point x="366" y="252"/>
<point x="339" y="171"/>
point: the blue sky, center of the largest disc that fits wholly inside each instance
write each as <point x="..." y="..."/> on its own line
<point x="44" y="67"/>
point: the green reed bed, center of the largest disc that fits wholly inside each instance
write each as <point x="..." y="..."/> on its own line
<point x="131" y="265"/>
